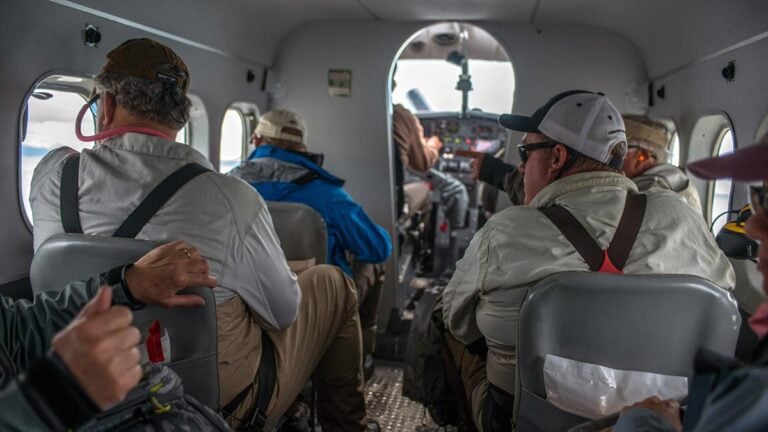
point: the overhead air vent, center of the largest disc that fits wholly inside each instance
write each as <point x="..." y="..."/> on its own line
<point x="445" y="39"/>
<point x="417" y="46"/>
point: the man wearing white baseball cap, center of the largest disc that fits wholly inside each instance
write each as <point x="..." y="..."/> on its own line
<point x="572" y="154"/>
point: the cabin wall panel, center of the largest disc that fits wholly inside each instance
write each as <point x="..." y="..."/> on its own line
<point x="38" y="36"/>
<point x="700" y="90"/>
<point x="354" y="132"/>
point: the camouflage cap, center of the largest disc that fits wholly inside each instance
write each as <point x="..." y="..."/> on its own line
<point x="148" y="59"/>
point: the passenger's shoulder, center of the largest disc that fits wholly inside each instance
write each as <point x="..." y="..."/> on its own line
<point x="50" y="166"/>
<point x="512" y="216"/>
<point x="658" y="197"/>
<point x="237" y="192"/>
<point x="53" y="160"/>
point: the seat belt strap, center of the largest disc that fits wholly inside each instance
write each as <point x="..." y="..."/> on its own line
<point x="575" y="233"/>
<point x="267" y="378"/>
<point x="69" y="200"/>
<point x="612" y="259"/>
<point x="157" y="198"/>
<point x="628" y="229"/>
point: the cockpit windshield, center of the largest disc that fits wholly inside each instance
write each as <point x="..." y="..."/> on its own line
<point x="429" y="85"/>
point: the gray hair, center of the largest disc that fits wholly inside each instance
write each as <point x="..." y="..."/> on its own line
<point x="146" y="99"/>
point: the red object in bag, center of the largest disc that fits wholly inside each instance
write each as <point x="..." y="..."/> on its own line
<point x="154" y="343"/>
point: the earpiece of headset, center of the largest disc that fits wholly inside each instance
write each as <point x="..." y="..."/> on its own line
<point x="172" y="92"/>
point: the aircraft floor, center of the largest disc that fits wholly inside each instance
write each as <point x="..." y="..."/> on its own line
<point x="395" y="412"/>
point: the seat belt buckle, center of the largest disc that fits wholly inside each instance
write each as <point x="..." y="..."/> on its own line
<point x="256" y="423"/>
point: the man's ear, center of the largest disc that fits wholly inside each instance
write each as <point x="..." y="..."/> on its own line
<point x="108" y="107"/>
<point x="559" y="157"/>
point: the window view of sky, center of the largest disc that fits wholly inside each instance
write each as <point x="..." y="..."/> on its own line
<point x="722" y="196"/>
<point x="50" y="125"/>
<point x="231" y="143"/>
<point x="493" y="84"/>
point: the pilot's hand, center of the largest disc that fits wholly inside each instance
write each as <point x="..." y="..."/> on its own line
<point x="477" y="161"/>
<point x="668" y="409"/>
<point x="435" y="143"/>
<point x="99" y="349"/>
<point x="158" y="276"/>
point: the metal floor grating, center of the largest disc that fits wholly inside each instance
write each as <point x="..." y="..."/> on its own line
<point x="386" y="403"/>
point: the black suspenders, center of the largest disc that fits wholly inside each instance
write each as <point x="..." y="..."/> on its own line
<point x="69" y="199"/>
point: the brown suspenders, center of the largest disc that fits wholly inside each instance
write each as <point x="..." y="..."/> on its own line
<point x="612" y="259"/>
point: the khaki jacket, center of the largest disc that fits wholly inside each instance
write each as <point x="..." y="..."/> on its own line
<point x="519" y="246"/>
<point x="670" y="177"/>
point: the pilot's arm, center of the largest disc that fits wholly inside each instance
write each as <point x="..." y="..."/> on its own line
<point x="497" y="173"/>
<point x="418" y="153"/>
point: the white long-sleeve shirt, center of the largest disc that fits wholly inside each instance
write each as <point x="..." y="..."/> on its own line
<point x="224" y="217"/>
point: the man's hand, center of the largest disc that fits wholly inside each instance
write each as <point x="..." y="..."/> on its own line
<point x="477" y="161"/>
<point x="158" y="276"/>
<point x="435" y="143"/>
<point x="99" y="348"/>
<point x="668" y="409"/>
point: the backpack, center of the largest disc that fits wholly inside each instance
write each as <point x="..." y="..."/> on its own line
<point x="157" y="404"/>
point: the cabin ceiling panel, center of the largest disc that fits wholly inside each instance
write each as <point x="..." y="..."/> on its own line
<point x="668" y="33"/>
<point x="517" y="11"/>
<point x="245" y="28"/>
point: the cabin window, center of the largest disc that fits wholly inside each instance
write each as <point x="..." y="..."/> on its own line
<point x="181" y="135"/>
<point x="674" y="149"/>
<point x="47" y="123"/>
<point x="428" y="74"/>
<point x="721" y="191"/>
<point x="234" y="139"/>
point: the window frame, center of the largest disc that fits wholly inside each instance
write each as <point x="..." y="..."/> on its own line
<point x="249" y="116"/>
<point x="40" y="84"/>
<point x="244" y="136"/>
<point x="712" y="184"/>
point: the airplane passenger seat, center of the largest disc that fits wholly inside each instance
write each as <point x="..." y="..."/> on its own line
<point x="192" y="330"/>
<point x="301" y="231"/>
<point x="646" y="323"/>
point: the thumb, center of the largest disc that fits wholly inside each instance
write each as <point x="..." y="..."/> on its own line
<point x="100" y="303"/>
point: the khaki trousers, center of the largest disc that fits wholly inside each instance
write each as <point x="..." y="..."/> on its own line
<point x="473" y="375"/>
<point x="369" y="279"/>
<point x="324" y="341"/>
<point x="417" y="197"/>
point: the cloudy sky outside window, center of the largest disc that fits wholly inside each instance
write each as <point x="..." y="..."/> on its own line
<point x="493" y="84"/>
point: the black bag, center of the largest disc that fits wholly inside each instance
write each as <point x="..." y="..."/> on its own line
<point x="426" y="375"/>
<point x="157" y="404"/>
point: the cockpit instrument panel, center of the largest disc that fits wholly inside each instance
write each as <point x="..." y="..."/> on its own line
<point x="478" y="131"/>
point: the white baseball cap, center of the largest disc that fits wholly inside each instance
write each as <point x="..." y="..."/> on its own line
<point x="282" y="124"/>
<point x="583" y="121"/>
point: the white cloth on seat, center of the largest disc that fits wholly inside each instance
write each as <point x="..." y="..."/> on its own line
<point x="593" y="391"/>
<point x="224" y="217"/>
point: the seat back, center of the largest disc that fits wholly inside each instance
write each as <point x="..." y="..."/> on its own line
<point x="647" y="323"/>
<point x="301" y="231"/>
<point x="192" y="330"/>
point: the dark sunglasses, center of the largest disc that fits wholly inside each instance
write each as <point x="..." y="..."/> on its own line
<point x="759" y="199"/>
<point x="93" y="105"/>
<point x="525" y="149"/>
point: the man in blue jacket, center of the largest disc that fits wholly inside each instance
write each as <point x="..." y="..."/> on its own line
<point x="282" y="169"/>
